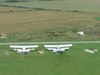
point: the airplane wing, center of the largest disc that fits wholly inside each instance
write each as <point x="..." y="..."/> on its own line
<point x="21" y="51"/>
<point x="63" y="49"/>
<point x="30" y="49"/>
<point x="17" y="49"/>
<point x="54" y="47"/>
<point x="12" y="46"/>
<point x="67" y="45"/>
<point x="32" y="46"/>
<point x="50" y="46"/>
<point x="51" y="49"/>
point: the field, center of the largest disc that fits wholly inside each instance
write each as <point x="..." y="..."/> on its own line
<point x="29" y="22"/>
<point x="75" y="61"/>
<point x="67" y="5"/>
<point x="23" y="19"/>
<point x="20" y="23"/>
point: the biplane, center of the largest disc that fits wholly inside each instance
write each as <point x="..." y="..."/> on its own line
<point x="56" y="33"/>
<point x="57" y="48"/>
<point x="23" y="49"/>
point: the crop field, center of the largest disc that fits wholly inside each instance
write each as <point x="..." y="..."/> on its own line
<point x="75" y="61"/>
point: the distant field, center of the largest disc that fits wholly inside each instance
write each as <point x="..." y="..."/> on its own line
<point x="73" y="16"/>
<point x="75" y="61"/>
<point x="69" y="5"/>
<point x="19" y="25"/>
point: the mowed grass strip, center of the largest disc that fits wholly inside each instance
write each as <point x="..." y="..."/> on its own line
<point x="74" y="61"/>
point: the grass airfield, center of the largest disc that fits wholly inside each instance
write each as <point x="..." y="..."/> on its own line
<point x="75" y="61"/>
<point x="22" y="22"/>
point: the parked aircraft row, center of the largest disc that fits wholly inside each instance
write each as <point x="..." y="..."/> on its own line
<point x="53" y="48"/>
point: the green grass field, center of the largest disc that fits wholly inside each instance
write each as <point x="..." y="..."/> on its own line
<point x="75" y="61"/>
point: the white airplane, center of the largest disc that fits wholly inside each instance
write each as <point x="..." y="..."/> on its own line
<point x="23" y="49"/>
<point x="58" y="48"/>
<point x="92" y="51"/>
